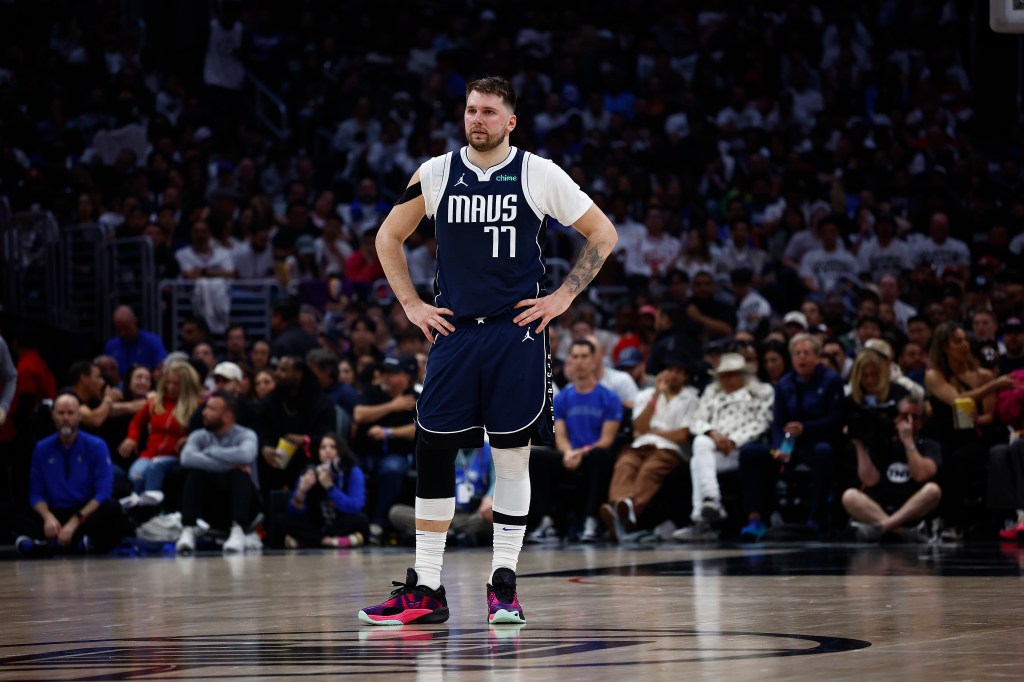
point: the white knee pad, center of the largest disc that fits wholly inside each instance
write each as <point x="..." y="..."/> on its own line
<point x="512" y="487"/>
<point x="442" y="509"/>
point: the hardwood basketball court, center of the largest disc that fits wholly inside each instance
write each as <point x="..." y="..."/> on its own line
<point x="807" y="611"/>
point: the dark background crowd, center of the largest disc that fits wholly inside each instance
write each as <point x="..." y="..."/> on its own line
<point x="847" y="171"/>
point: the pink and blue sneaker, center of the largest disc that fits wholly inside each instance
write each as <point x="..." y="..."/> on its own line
<point x="409" y="603"/>
<point x="502" y="601"/>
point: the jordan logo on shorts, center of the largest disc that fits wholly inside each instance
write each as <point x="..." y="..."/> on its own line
<point x="461" y="181"/>
<point x="527" y="337"/>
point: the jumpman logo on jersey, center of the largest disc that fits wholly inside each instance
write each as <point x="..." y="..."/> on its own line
<point x="480" y="320"/>
<point x="461" y="181"/>
<point x="527" y="337"/>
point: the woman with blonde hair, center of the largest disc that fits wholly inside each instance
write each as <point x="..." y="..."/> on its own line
<point x="869" y="381"/>
<point x="166" y="414"/>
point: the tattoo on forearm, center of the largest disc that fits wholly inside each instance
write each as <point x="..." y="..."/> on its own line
<point x="587" y="266"/>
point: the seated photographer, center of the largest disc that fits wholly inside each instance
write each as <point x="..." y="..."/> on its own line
<point x="218" y="462"/>
<point x="326" y="509"/>
<point x="895" y="467"/>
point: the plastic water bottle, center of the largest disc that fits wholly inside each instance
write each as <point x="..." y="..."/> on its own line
<point x="785" y="450"/>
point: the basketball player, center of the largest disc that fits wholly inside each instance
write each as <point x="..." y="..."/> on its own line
<point x="488" y="368"/>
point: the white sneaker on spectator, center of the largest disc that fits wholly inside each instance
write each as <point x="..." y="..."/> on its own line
<point x="591" y="526"/>
<point x="545" y="532"/>
<point x="151" y="498"/>
<point x="130" y="501"/>
<point x="186" y="543"/>
<point x="235" y="544"/>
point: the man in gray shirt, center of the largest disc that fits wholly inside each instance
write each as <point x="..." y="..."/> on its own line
<point x="219" y="462"/>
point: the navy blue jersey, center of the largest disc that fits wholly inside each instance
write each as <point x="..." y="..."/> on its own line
<point x="488" y="239"/>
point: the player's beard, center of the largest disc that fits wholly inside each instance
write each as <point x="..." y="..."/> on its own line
<point x="488" y="144"/>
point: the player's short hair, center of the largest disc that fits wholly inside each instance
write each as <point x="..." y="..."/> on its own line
<point x="494" y="85"/>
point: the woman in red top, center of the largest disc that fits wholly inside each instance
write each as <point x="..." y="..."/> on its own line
<point x="166" y="414"/>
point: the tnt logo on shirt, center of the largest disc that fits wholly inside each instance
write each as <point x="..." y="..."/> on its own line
<point x="898" y="473"/>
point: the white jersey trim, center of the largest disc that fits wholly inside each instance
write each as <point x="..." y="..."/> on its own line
<point x="433" y="179"/>
<point x="485" y="175"/>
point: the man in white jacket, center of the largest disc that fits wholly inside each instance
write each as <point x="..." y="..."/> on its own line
<point x="732" y="412"/>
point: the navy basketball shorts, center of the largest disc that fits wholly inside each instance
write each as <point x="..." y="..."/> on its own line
<point x="491" y="376"/>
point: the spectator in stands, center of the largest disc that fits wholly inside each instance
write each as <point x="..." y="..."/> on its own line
<point x="1012" y="357"/>
<point x="326" y="507"/>
<point x="809" y="410"/>
<point x="70" y="490"/>
<point x="385" y="428"/>
<point x="324" y="364"/>
<point x="259" y="355"/>
<point x="34" y="384"/>
<point x="254" y="258"/>
<point x="236" y="345"/>
<point x="132" y="345"/>
<point x="294" y="413"/>
<point x="587" y="419"/>
<point x="954" y="374"/>
<point x="219" y="463"/>
<point x="773" y="362"/>
<point x="620" y="383"/>
<point x="166" y="415"/>
<point x="753" y="311"/>
<point x="138" y="390"/>
<point x="289" y="338"/>
<point x="97" y="401"/>
<point x="264" y="383"/>
<point x="203" y="258"/>
<point x="906" y="492"/>
<point x="363" y="267"/>
<point x="735" y="410"/>
<point x="677" y="333"/>
<point x="885" y="254"/>
<point x="938" y="249"/>
<point x="631" y="361"/>
<point x="331" y="249"/>
<point x="827" y="267"/>
<point x="362" y="336"/>
<point x="662" y="417"/>
<point x="892" y="370"/>
<point x="194" y="331"/>
<point x="717" y="319"/>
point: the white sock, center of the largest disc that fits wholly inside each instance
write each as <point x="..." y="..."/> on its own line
<point x="508" y="543"/>
<point x="429" y="557"/>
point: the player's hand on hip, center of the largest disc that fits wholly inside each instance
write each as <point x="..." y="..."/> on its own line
<point x="429" y="319"/>
<point x="544" y="310"/>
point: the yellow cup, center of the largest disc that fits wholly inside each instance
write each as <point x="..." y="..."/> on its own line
<point x="963" y="413"/>
<point x="284" y="452"/>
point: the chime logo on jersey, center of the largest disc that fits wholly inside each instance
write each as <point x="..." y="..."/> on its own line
<point x="480" y="208"/>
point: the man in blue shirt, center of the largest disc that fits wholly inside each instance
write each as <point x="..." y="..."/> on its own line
<point x="587" y="418"/>
<point x="133" y="346"/>
<point x="70" y="490"/>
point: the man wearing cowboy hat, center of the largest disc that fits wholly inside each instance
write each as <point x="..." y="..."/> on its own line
<point x="732" y="412"/>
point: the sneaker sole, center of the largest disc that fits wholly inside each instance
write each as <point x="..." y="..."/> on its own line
<point x="712" y="515"/>
<point x="502" y="616"/>
<point x="426" y="616"/>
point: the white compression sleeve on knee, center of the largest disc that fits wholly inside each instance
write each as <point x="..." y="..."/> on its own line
<point x="442" y="509"/>
<point x="512" y="487"/>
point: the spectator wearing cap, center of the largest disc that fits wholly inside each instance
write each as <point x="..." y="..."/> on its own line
<point x="631" y="361"/>
<point x="885" y="253"/>
<point x="1012" y="357"/>
<point x="385" y="420"/>
<point x="752" y="309"/>
<point x="733" y="411"/>
<point x="662" y="420"/>
<point x="793" y="323"/>
<point x="808" y="408"/>
<point x="227" y="377"/>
